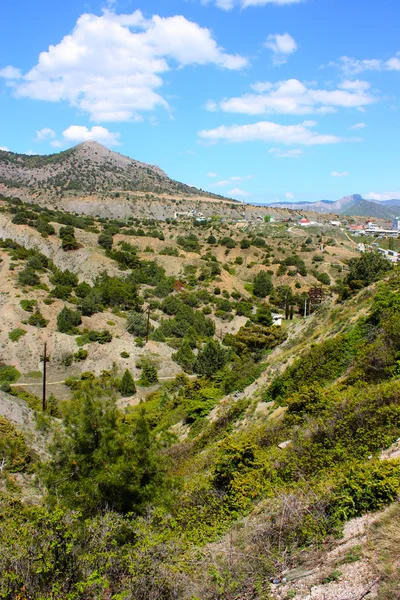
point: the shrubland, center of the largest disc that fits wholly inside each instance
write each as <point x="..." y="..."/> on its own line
<point x="227" y="474"/>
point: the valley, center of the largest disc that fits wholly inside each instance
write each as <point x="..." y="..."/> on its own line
<point x="210" y="431"/>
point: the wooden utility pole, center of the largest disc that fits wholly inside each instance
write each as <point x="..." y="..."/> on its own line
<point x="148" y="323"/>
<point x="44" y="404"/>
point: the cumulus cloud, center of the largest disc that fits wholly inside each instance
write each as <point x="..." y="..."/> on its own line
<point x="340" y="174"/>
<point x="282" y="46"/>
<point x="238" y="192"/>
<point x="30" y="153"/>
<point x="267" y="131"/>
<point x="111" y="66"/>
<point x="354" y="66"/>
<point x="212" y="174"/>
<point x="80" y="133"/>
<point x="10" y="73"/>
<point x="4" y="148"/>
<point x="289" y="196"/>
<point x="285" y="153"/>
<point x="382" y="195"/>
<point x="229" y="4"/>
<point x="292" y="97"/>
<point x="45" y="134"/>
<point x="358" y="126"/>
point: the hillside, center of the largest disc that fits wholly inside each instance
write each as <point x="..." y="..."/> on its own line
<point x="220" y="460"/>
<point x="86" y="169"/>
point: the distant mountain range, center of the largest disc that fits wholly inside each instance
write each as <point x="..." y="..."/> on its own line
<point x="351" y="206"/>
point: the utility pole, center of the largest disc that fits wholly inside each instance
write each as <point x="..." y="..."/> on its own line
<point x="305" y="306"/>
<point x="44" y="403"/>
<point x="148" y="323"/>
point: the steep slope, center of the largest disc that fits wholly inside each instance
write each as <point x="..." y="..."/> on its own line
<point x="87" y="168"/>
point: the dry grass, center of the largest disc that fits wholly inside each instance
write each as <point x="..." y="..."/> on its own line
<point x="384" y="542"/>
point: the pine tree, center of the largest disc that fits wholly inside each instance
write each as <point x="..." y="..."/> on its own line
<point x="262" y="285"/>
<point x="127" y="387"/>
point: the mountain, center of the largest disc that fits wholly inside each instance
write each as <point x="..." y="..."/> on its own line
<point x="365" y="208"/>
<point x="86" y="169"/>
<point x="352" y="206"/>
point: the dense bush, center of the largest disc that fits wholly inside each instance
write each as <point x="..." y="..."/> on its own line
<point x="68" y="320"/>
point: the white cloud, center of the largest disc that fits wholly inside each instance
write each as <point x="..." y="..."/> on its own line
<point x="111" y="66"/>
<point x="340" y="174"/>
<point x="267" y="131"/>
<point x="230" y="180"/>
<point x="4" y="148"/>
<point x="212" y="174"/>
<point x="289" y="196"/>
<point x="10" y="73"/>
<point x="358" y="126"/>
<point x="281" y="46"/>
<point x="353" y="66"/>
<point x="45" y="134"/>
<point x="292" y="153"/>
<point x="292" y="97"/>
<point x="30" y="153"/>
<point x="382" y="196"/>
<point x="238" y="192"/>
<point x="56" y="144"/>
<point x="80" y="133"/>
<point x="229" y="4"/>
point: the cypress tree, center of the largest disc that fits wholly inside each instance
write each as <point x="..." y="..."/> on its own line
<point x="127" y="387"/>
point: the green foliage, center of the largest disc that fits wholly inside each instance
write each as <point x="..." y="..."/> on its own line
<point x="185" y="357"/>
<point x="8" y="374"/>
<point x="101" y="461"/>
<point x="137" y="324"/>
<point x="105" y="240"/>
<point x="28" y="305"/>
<point x="365" y="488"/>
<point x="262" y="285"/>
<point x="211" y="359"/>
<point x="37" y="319"/>
<point x="127" y="387"/>
<point x="81" y="354"/>
<point x="64" y="278"/>
<point x="28" y="277"/>
<point x="366" y="269"/>
<point x="149" y="375"/>
<point x="68" y="320"/>
<point x="190" y="242"/>
<point x="13" y="449"/>
<point x="255" y="339"/>
<point x="16" y="334"/>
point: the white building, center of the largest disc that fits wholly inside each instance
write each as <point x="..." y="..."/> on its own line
<point x="276" y="319"/>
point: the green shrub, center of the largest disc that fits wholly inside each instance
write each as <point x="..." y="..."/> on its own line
<point x="28" y="305"/>
<point x="15" y="334"/>
<point x="68" y="320"/>
<point x="81" y="354"/>
<point x="13" y="448"/>
<point x="37" y="319"/>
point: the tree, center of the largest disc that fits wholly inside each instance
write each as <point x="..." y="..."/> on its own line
<point x="244" y="244"/>
<point x="262" y="285"/>
<point x="137" y="324"/>
<point x="149" y="373"/>
<point x="211" y="239"/>
<point x="185" y="357"/>
<point x="68" y="320"/>
<point x="102" y="461"/>
<point x="366" y="269"/>
<point x="210" y="359"/>
<point x="263" y="316"/>
<point x="28" y="277"/>
<point x="105" y="240"/>
<point x="127" y="387"/>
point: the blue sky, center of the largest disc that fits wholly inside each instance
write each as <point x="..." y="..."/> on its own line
<point x="263" y="100"/>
